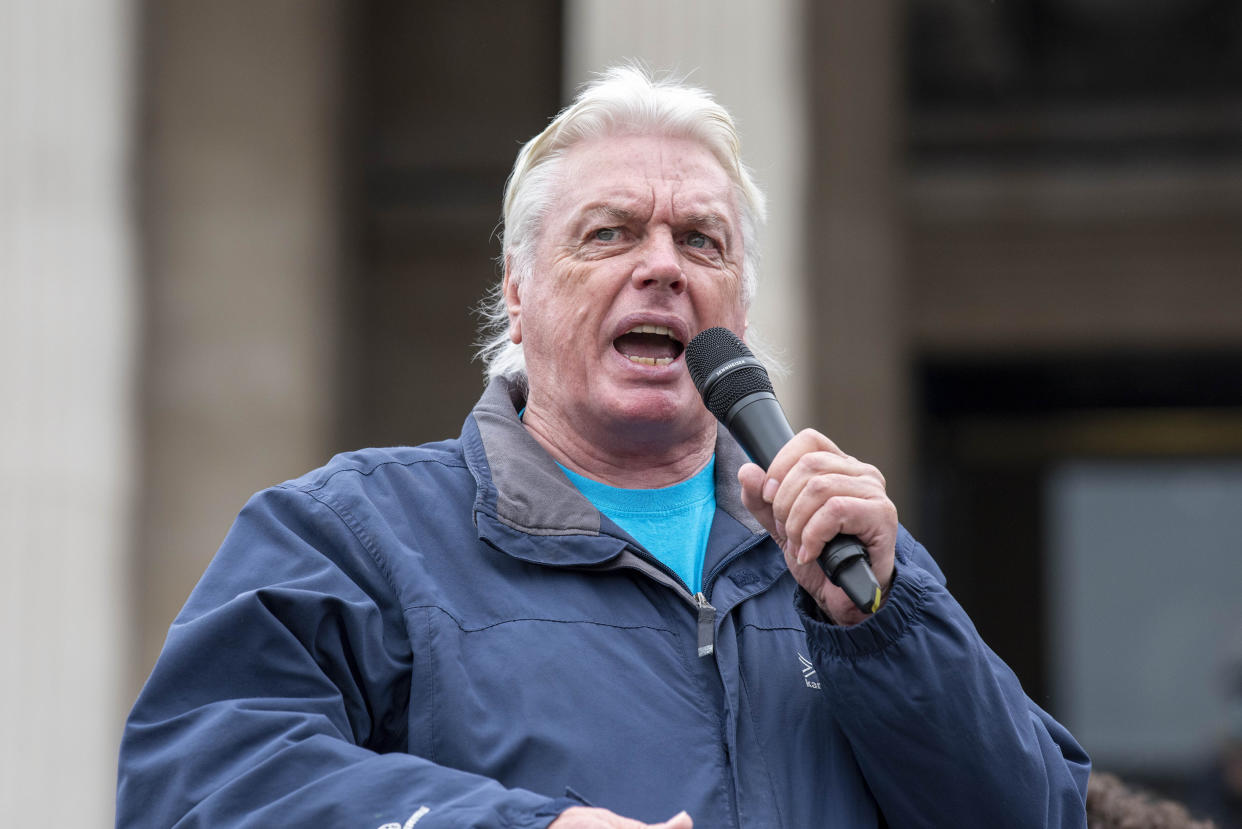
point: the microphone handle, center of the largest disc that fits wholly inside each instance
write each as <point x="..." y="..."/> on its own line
<point x="762" y="432"/>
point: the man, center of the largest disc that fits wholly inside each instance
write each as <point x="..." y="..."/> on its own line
<point x="587" y="611"/>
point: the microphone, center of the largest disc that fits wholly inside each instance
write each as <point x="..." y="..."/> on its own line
<point x="736" y="389"/>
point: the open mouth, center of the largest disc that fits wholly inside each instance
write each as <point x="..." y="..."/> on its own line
<point x="649" y="345"/>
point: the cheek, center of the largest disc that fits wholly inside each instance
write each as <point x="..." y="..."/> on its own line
<point x="722" y="298"/>
<point x="566" y="310"/>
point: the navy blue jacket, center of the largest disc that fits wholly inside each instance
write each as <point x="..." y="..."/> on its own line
<point x="451" y="635"/>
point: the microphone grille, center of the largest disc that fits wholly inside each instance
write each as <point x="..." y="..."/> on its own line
<point x="711" y="349"/>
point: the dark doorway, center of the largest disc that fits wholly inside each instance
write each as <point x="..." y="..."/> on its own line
<point x="1000" y="441"/>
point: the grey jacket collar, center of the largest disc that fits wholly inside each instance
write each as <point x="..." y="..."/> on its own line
<point x="524" y="489"/>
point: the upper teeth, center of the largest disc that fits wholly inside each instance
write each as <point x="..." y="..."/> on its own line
<point x="647" y="328"/>
<point x="651" y="329"/>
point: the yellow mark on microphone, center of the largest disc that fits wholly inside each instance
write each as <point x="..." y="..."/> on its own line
<point x="875" y="602"/>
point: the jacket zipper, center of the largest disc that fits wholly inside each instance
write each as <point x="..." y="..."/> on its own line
<point x="707" y="625"/>
<point x="706" y="612"/>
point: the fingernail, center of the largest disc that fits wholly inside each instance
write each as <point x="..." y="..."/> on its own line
<point x="769" y="489"/>
<point x="804" y="555"/>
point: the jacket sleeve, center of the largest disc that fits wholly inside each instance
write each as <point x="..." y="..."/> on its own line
<point x="940" y="726"/>
<point x="281" y="695"/>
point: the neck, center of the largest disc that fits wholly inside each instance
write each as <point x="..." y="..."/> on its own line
<point x="633" y="456"/>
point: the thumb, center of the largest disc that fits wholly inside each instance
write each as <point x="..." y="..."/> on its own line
<point x="681" y="820"/>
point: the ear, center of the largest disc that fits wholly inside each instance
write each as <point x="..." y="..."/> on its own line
<point x="513" y="302"/>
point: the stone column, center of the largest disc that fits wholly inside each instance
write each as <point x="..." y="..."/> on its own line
<point x="861" y="394"/>
<point x="68" y="308"/>
<point x="239" y="165"/>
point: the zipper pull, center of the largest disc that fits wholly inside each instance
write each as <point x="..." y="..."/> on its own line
<point x="707" y="625"/>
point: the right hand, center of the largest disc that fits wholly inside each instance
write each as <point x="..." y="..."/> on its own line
<point x="581" y="817"/>
<point x="812" y="492"/>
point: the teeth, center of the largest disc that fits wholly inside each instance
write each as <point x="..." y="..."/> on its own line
<point x="649" y="361"/>
<point x="648" y="328"/>
<point x="651" y="329"/>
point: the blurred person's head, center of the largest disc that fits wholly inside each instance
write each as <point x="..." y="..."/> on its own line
<point x="623" y="102"/>
<point x="1111" y="804"/>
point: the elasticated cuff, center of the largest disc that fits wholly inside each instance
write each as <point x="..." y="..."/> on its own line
<point x="906" y="597"/>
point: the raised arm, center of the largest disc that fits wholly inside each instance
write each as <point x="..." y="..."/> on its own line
<point x="939" y="725"/>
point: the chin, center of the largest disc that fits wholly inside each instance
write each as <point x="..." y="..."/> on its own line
<point x="660" y="407"/>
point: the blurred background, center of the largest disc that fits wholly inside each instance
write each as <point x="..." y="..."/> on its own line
<point x="1004" y="263"/>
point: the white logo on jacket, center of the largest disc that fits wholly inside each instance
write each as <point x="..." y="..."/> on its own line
<point x="409" y="824"/>
<point x="808" y="673"/>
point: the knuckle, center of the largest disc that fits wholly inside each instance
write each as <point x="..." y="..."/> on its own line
<point x="817" y="438"/>
<point x="828" y="516"/>
<point x="816" y="528"/>
<point x="820" y="486"/>
<point x="826" y="528"/>
<point x="825" y="461"/>
<point x="805" y="465"/>
<point x="836" y="510"/>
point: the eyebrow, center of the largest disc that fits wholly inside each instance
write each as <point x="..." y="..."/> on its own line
<point x="612" y="211"/>
<point x="617" y="213"/>
<point x="709" y="220"/>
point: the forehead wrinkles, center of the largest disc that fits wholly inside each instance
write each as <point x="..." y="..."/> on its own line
<point x="626" y="206"/>
<point x="618" y="180"/>
<point x="639" y="164"/>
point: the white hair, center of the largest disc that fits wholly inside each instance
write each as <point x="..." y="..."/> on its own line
<point x="624" y="100"/>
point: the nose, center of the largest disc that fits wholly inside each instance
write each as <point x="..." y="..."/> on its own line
<point x="659" y="264"/>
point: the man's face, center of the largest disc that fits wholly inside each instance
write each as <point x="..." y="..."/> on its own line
<point x="641" y="250"/>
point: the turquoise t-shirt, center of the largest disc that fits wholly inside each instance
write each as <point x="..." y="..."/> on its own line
<point x="671" y="522"/>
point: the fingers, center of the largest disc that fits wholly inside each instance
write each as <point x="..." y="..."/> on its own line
<point x="810" y="527"/>
<point x="822" y="494"/>
<point x="813" y="492"/>
<point x="822" y="488"/>
<point x="808" y="440"/>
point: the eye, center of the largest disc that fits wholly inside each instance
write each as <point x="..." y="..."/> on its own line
<point x="698" y="240"/>
<point x="606" y="234"/>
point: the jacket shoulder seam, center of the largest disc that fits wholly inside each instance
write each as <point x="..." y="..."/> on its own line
<point x="358" y="532"/>
<point x="311" y="488"/>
